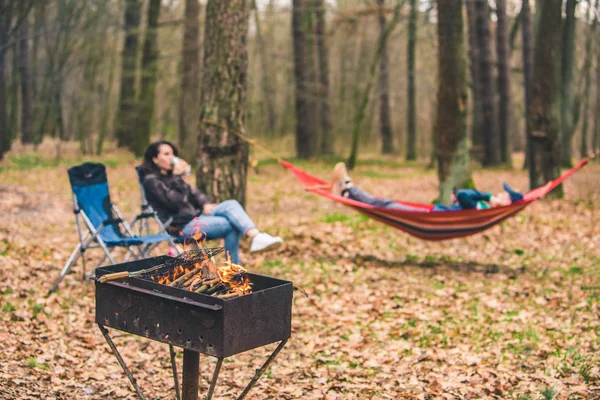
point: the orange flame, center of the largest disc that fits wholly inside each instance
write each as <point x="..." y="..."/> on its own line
<point x="236" y="276"/>
<point x="233" y="275"/>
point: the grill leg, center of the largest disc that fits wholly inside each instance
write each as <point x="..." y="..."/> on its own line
<point x="191" y="371"/>
<point x="121" y="362"/>
<point x="174" y="367"/>
<point x="213" y="383"/>
<point x="262" y="369"/>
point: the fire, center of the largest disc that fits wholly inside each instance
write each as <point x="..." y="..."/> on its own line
<point x="227" y="280"/>
<point x="236" y="276"/>
<point x="171" y="275"/>
<point x="199" y="239"/>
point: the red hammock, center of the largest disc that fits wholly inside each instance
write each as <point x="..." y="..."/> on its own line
<point x="428" y="225"/>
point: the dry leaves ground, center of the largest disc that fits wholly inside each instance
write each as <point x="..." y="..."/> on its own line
<point x="511" y="313"/>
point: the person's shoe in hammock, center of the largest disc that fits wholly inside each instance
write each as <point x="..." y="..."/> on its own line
<point x="341" y="180"/>
<point x="514" y="195"/>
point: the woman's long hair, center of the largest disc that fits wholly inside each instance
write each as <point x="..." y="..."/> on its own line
<point x="148" y="166"/>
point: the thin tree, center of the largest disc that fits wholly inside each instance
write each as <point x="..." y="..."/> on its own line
<point x="596" y="137"/>
<point x="190" y="84"/>
<point x="304" y="66"/>
<point x="26" y="85"/>
<point x="411" y="148"/>
<point x="491" y="142"/>
<point x="364" y="97"/>
<point x="567" y="90"/>
<point x="504" y="106"/>
<point x="5" y="22"/>
<point x="326" y="146"/>
<point x="126" y="113"/>
<point x="106" y="88"/>
<point x="527" y="38"/>
<point x="544" y="118"/>
<point x="586" y="76"/>
<point x="266" y="78"/>
<point x="149" y="69"/>
<point x="385" y="120"/>
<point x="223" y="156"/>
<point x="474" y="63"/>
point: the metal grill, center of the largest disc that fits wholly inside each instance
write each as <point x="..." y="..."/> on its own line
<point x="196" y="322"/>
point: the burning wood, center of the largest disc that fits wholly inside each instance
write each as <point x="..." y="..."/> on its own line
<point x="226" y="281"/>
<point x="182" y="262"/>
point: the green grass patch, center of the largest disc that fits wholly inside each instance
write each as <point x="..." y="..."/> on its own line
<point x="29" y="161"/>
<point x="32" y="362"/>
<point x="8" y="307"/>
<point x="379" y="175"/>
<point x="575" y="270"/>
<point x="351" y="219"/>
<point x="548" y="393"/>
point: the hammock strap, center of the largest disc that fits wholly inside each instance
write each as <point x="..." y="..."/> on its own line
<point x="243" y="137"/>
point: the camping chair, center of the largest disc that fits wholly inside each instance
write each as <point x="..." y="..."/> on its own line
<point x="147" y="209"/>
<point x="143" y="220"/>
<point x="148" y="213"/>
<point x="100" y="224"/>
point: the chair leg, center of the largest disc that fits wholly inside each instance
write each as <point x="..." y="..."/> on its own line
<point x="70" y="262"/>
<point x="83" y="273"/>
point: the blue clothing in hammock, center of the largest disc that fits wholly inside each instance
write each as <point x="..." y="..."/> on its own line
<point x="466" y="199"/>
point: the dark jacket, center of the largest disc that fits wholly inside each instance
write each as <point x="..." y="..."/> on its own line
<point x="172" y="197"/>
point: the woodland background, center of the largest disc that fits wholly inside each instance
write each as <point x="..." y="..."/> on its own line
<point x="417" y="97"/>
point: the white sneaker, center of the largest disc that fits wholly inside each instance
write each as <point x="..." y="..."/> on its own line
<point x="263" y="241"/>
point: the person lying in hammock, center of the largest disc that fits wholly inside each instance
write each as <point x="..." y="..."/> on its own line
<point x="463" y="199"/>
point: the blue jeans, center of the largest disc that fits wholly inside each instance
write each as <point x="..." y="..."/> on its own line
<point x="357" y="194"/>
<point x="228" y="220"/>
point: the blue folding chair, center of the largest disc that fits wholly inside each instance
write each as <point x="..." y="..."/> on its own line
<point x="100" y="224"/>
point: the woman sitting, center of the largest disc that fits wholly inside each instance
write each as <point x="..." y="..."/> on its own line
<point x="463" y="199"/>
<point x="193" y="212"/>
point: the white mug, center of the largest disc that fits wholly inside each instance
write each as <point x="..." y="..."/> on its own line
<point x="174" y="162"/>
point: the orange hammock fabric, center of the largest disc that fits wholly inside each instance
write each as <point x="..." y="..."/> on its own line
<point x="435" y="226"/>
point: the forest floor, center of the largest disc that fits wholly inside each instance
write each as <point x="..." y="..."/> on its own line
<point x="512" y="313"/>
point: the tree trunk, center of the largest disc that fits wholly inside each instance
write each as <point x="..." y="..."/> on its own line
<point x="5" y="19"/>
<point x="364" y="98"/>
<point x="596" y="137"/>
<point x="385" y="120"/>
<point x="25" y="72"/>
<point x="411" y="150"/>
<point x="190" y="91"/>
<point x="13" y="93"/>
<point x="567" y="90"/>
<point x="527" y="39"/>
<point x="451" y="122"/>
<point x="266" y="78"/>
<point x="126" y="114"/>
<point x="326" y="146"/>
<point x="222" y="156"/>
<point x="514" y="31"/>
<point x="586" y="76"/>
<point x="106" y="105"/>
<point x="545" y="108"/>
<point x="504" y="107"/>
<point x="491" y="142"/>
<point x="476" y="105"/>
<point x="149" y="69"/>
<point x="306" y="133"/>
